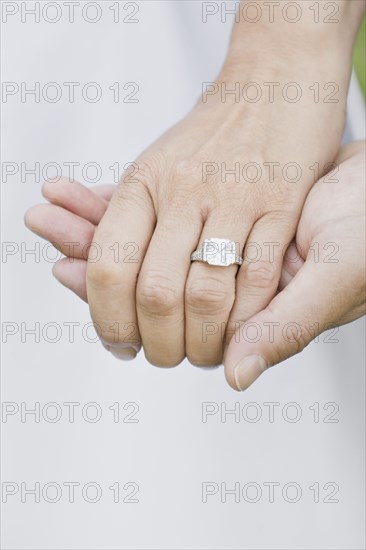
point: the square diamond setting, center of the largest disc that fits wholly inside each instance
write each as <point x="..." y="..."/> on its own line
<point x="220" y="252"/>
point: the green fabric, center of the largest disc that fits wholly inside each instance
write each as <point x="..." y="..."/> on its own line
<point x="359" y="56"/>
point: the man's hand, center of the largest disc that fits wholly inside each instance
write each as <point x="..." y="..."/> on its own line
<point x="325" y="291"/>
<point x="323" y="267"/>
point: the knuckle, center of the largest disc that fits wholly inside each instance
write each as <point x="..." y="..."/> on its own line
<point x="131" y="191"/>
<point x="158" y="294"/>
<point x="278" y="198"/>
<point x="261" y="274"/>
<point x="140" y="171"/>
<point x="188" y="168"/>
<point x="295" y="334"/>
<point x="210" y="294"/>
<point x="147" y="171"/>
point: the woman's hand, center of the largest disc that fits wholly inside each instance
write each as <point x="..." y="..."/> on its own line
<point x="180" y="194"/>
<point x="237" y="168"/>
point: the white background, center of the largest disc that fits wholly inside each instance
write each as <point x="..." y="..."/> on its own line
<point x="170" y="452"/>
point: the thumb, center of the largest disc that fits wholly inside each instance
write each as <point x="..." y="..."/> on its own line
<point x="304" y="309"/>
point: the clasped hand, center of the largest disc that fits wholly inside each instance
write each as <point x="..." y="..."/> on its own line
<point x="177" y="309"/>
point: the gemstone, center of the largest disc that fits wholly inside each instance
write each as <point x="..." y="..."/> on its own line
<point x="221" y="252"/>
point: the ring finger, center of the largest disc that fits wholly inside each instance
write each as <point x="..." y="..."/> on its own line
<point x="210" y="289"/>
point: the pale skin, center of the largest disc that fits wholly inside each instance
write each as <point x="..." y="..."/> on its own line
<point x="314" y="290"/>
<point x="167" y="209"/>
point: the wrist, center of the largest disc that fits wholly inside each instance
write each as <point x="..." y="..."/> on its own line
<point x="267" y="30"/>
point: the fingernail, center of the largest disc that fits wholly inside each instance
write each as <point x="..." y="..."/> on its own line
<point x="248" y="370"/>
<point x="209" y="367"/>
<point x="126" y="354"/>
<point x="123" y="351"/>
